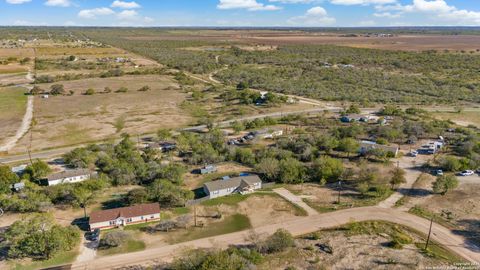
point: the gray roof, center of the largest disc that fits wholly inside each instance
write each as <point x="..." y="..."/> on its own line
<point x="232" y="182"/>
<point x="69" y="173"/>
<point x="373" y="145"/>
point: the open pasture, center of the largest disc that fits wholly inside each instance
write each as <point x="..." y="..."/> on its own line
<point x="12" y="108"/>
<point x="79" y="118"/>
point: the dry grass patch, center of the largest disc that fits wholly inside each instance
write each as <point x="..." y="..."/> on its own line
<point x="13" y="104"/>
<point x="66" y="120"/>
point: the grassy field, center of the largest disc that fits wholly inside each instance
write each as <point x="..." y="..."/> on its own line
<point x="13" y="103"/>
<point x="127" y="247"/>
<point x="230" y="224"/>
<point x="465" y="118"/>
<point x="71" y="120"/>
<point x="61" y="259"/>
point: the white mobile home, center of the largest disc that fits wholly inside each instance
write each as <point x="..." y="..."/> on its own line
<point x="70" y="176"/>
<point x="241" y="184"/>
<point x="120" y="217"/>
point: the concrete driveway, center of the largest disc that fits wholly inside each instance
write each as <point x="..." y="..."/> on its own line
<point x="289" y="196"/>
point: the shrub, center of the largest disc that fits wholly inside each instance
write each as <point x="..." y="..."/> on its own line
<point x="277" y="242"/>
<point x="113" y="239"/>
<point x="90" y="92"/>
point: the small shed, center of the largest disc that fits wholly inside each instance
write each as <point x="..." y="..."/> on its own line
<point x="208" y="169"/>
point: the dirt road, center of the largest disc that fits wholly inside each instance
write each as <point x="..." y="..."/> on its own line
<point x="296" y="226"/>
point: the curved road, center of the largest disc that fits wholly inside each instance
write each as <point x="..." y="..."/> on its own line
<point x="297" y="226"/>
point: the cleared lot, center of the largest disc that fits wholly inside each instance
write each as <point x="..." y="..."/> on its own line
<point x="68" y="120"/>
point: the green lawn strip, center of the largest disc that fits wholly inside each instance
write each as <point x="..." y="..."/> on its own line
<point x="13" y="101"/>
<point x="370" y="199"/>
<point x="61" y="259"/>
<point x="230" y="224"/>
<point x="127" y="247"/>
<point x="180" y="210"/>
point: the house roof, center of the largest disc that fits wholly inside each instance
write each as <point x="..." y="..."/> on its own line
<point x="125" y="212"/>
<point x="232" y="182"/>
<point x="69" y="173"/>
<point x="373" y="145"/>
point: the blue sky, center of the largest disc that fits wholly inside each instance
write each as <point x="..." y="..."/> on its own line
<point x="317" y="13"/>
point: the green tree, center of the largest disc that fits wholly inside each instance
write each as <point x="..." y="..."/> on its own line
<point x="166" y="193"/>
<point x="277" y="242"/>
<point x="164" y="134"/>
<point x="37" y="170"/>
<point x="327" y="168"/>
<point x="445" y="183"/>
<point x="349" y="146"/>
<point x="398" y="177"/>
<point x="269" y="168"/>
<point x="7" y="179"/>
<point x="39" y="237"/>
<point x="137" y="196"/>
<point x="291" y="171"/>
<point x="244" y="156"/>
<point x="83" y="197"/>
<point x="57" y="89"/>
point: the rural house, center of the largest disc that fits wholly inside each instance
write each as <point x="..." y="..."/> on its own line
<point x="119" y="217"/>
<point x="241" y="184"/>
<point x="208" y="169"/>
<point x="366" y="146"/>
<point x="70" y="176"/>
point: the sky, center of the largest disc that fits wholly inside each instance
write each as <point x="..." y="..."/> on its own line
<point x="237" y="13"/>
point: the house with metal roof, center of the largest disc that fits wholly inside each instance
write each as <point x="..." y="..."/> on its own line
<point x="242" y="184"/>
<point x="70" y="176"/>
<point x="124" y="216"/>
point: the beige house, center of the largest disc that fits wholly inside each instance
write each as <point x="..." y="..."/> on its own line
<point x="241" y="184"/>
<point x="120" y="217"/>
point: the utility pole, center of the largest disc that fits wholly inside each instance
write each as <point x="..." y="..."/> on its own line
<point x="429" y="233"/>
<point x="339" y="191"/>
<point x="195" y="215"/>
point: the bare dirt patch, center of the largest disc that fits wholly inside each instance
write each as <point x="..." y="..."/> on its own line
<point x="69" y="120"/>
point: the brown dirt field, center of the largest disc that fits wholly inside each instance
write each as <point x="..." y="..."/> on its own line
<point x="463" y="204"/>
<point x="350" y="252"/>
<point x="405" y="42"/>
<point x="13" y="68"/>
<point x="70" y="120"/>
<point x="9" y="79"/>
<point x="401" y="42"/>
<point x="55" y="51"/>
<point x="18" y="53"/>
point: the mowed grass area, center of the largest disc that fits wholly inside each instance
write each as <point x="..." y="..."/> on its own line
<point x="230" y="224"/>
<point x="77" y="119"/>
<point x="61" y="259"/>
<point x="464" y="118"/>
<point x="13" y="103"/>
<point x="127" y="247"/>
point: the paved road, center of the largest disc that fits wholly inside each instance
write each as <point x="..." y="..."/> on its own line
<point x="289" y="196"/>
<point x="297" y="226"/>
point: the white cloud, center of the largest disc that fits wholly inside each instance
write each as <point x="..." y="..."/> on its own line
<point x="387" y="15"/>
<point x="316" y="16"/>
<point x="251" y="5"/>
<point x="92" y="13"/>
<point x="295" y="1"/>
<point x="125" y="5"/>
<point x="17" y="2"/>
<point x="362" y="2"/>
<point x="58" y="3"/>
<point x="438" y="10"/>
<point x="128" y="15"/>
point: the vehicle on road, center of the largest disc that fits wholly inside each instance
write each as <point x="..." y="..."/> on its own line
<point x="413" y="154"/>
<point x="437" y="172"/>
<point x="467" y="173"/>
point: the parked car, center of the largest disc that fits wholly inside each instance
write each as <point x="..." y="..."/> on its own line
<point x="93" y="236"/>
<point x="437" y="172"/>
<point x="467" y="173"/>
<point x="413" y="153"/>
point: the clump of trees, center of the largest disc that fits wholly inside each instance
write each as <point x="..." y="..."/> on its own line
<point x="39" y="237"/>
